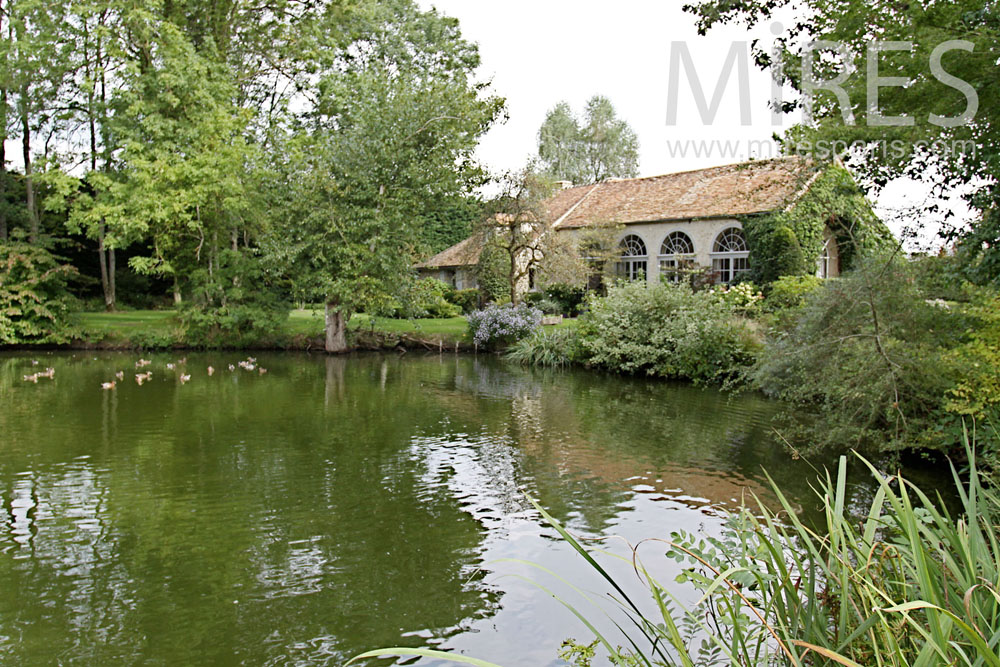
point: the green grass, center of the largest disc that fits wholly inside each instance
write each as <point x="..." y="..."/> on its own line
<point x="127" y="325"/>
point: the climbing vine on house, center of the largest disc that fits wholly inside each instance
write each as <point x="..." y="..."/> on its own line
<point x="788" y="242"/>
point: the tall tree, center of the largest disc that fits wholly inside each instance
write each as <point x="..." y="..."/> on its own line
<point x="518" y="228"/>
<point x="36" y="59"/>
<point x="589" y="150"/>
<point x="5" y="42"/>
<point x="393" y="130"/>
<point x="935" y="133"/>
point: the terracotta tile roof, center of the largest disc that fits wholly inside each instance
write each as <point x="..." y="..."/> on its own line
<point x="730" y="190"/>
<point x="463" y="253"/>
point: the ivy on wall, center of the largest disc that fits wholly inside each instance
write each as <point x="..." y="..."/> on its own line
<point x="788" y="242"/>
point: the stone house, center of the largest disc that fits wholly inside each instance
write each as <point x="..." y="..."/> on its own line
<point x="670" y="225"/>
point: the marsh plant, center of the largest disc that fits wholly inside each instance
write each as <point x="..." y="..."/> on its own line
<point x="903" y="582"/>
<point x="906" y="583"/>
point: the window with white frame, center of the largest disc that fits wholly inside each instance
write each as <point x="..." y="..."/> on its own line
<point x="730" y="255"/>
<point x="632" y="264"/>
<point x="826" y="259"/>
<point x="676" y="256"/>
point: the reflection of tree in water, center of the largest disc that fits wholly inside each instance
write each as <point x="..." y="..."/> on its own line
<point x="317" y="510"/>
<point x="230" y="519"/>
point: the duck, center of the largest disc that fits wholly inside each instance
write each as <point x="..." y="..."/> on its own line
<point x="142" y="377"/>
<point x="261" y="370"/>
<point x="185" y="378"/>
<point x="120" y="375"/>
<point x="211" y="371"/>
<point x="142" y="362"/>
<point x="48" y="373"/>
<point x="108" y="385"/>
<point x="31" y="378"/>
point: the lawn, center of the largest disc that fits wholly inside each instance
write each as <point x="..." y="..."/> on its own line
<point x="127" y="325"/>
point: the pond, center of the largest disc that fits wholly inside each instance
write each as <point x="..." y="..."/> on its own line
<point x="334" y="505"/>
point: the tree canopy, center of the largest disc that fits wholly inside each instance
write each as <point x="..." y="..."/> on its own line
<point x="590" y="149"/>
<point x="937" y="122"/>
<point x="245" y="152"/>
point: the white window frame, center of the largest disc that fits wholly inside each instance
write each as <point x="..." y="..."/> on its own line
<point x="728" y="262"/>
<point x="632" y="266"/>
<point x="671" y="263"/>
<point x="823" y="261"/>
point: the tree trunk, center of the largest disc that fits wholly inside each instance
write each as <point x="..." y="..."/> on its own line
<point x="112" y="285"/>
<point x="336" y="328"/>
<point x="177" y="292"/>
<point x="29" y="187"/>
<point x="102" y="261"/>
<point x="106" y="258"/>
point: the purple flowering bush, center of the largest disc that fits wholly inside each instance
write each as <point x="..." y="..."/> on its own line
<point x="497" y="326"/>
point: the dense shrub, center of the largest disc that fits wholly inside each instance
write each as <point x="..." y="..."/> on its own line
<point x="497" y="326"/>
<point x="34" y="302"/>
<point x="871" y="352"/>
<point x="427" y="297"/>
<point x="790" y="292"/>
<point x="492" y="272"/>
<point x="667" y="330"/>
<point x="569" y="297"/>
<point x="232" y="306"/>
<point x="744" y="298"/>
<point x="547" y="347"/>
<point x="942" y="277"/>
<point x="976" y="396"/>
<point x="466" y="299"/>
<point x="235" y="325"/>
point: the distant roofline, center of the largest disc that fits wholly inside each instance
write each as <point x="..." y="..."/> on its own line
<point x="746" y="163"/>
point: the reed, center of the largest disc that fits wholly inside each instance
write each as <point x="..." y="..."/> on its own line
<point x="903" y="583"/>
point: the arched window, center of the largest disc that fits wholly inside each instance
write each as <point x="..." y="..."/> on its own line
<point x="632" y="265"/>
<point x="730" y="254"/>
<point x="676" y="256"/>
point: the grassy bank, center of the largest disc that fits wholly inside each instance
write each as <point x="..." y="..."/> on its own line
<point x="302" y="330"/>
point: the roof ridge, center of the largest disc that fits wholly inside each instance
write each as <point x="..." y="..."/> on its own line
<point x="747" y="163"/>
<point x="572" y="208"/>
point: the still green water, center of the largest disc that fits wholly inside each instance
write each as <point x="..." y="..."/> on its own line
<point x="335" y="505"/>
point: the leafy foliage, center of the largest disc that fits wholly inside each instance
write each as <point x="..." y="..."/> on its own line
<point x="669" y="331"/>
<point x="427" y="297"/>
<point x="788" y="242"/>
<point x="976" y="395"/>
<point x="497" y="326"/>
<point x="936" y="145"/>
<point x="34" y="302"/>
<point x="599" y="147"/>
<point x="492" y="272"/>
<point x="789" y="293"/>
<point x="547" y="347"/>
<point x="871" y="353"/>
<point x="902" y="579"/>
<point x="391" y="131"/>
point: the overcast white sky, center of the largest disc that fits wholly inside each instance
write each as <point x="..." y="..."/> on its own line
<point x="539" y="52"/>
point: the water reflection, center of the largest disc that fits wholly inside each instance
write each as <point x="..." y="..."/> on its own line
<point x="336" y="504"/>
